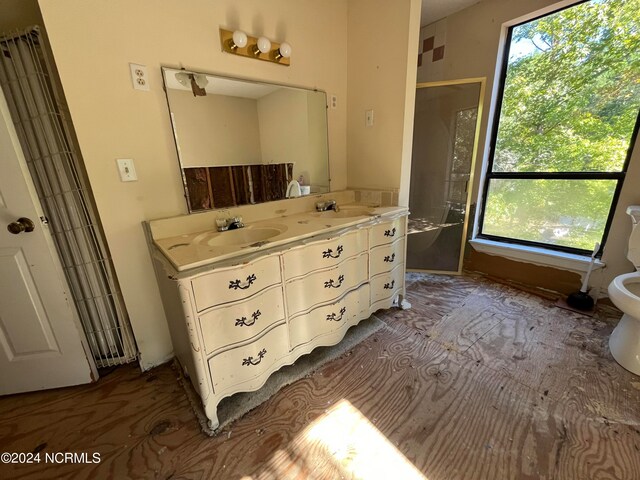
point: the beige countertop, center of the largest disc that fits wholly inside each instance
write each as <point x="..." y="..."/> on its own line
<point x="197" y="249"/>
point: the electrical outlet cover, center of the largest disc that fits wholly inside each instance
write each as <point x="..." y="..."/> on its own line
<point x="139" y="76"/>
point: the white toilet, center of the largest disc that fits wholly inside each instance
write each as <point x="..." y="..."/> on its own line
<point x="624" y="292"/>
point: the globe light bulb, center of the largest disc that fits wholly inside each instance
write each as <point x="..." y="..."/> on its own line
<point x="264" y="44"/>
<point x="285" y="50"/>
<point x="239" y="39"/>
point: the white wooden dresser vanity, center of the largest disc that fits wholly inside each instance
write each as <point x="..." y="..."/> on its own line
<point x="237" y="313"/>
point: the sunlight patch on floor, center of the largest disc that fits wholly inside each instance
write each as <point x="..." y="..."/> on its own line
<point x="422" y="225"/>
<point x="341" y="444"/>
<point x="358" y="446"/>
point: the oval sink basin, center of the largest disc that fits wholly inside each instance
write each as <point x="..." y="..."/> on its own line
<point x="239" y="237"/>
<point x="344" y="213"/>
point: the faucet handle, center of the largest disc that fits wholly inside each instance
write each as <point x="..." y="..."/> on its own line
<point x="327" y="205"/>
<point x="221" y="222"/>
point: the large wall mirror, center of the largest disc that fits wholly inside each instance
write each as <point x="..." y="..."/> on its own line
<point x="242" y="142"/>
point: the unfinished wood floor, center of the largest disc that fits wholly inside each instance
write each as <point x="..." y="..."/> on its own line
<point x="477" y="381"/>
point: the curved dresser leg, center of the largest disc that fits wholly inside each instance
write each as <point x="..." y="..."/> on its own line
<point x="213" y="424"/>
<point x="211" y="411"/>
<point x="403" y="304"/>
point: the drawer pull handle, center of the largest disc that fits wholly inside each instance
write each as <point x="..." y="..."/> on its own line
<point x="329" y="253"/>
<point x="242" y="322"/>
<point x="331" y="283"/>
<point x="390" y="233"/>
<point x="333" y="318"/>
<point x="390" y="259"/>
<point x="235" y="284"/>
<point x="389" y="286"/>
<point x="251" y="361"/>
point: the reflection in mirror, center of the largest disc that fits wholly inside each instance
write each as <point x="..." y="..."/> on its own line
<point x="242" y="142"/>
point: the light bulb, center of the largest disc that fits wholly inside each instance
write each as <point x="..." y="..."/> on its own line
<point x="285" y="50"/>
<point x="239" y="39"/>
<point x="264" y="45"/>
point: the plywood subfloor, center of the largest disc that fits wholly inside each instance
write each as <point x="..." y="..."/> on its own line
<point x="477" y="381"/>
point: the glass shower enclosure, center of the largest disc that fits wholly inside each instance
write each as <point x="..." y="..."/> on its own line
<point x="445" y="142"/>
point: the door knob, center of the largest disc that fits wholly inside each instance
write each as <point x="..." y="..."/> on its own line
<point x="21" y="225"/>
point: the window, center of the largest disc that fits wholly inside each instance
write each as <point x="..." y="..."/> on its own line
<point x="565" y="124"/>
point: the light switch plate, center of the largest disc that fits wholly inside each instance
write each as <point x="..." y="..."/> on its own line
<point x="139" y="76"/>
<point x="127" y="170"/>
<point x="368" y="118"/>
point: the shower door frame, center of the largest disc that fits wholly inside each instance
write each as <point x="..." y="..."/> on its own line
<point x="465" y="227"/>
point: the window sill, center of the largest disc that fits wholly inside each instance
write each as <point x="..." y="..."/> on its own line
<point x="535" y="255"/>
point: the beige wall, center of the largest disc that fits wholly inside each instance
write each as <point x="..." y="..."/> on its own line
<point x="314" y="172"/>
<point x="206" y="137"/>
<point x="293" y="130"/>
<point x="284" y="128"/>
<point x="93" y="41"/>
<point x="383" y="40"/>
<point x="472" y="38"/>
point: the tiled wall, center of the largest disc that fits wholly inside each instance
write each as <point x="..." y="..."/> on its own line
<point x="381" y="198"/>
<point x="431" y="51"/>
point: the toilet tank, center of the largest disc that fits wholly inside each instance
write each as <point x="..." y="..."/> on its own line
<point x="634" y="240"/>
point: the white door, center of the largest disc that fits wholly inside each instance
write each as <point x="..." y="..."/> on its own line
<point x="41" y="341"/>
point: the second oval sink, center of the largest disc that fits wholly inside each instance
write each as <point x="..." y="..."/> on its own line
<point x="241" y="236"/>
<point x="344" y="213"/>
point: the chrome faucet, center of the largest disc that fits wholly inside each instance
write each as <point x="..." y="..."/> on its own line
<point x="328" y="205"/>
<point x="232" y="223"/>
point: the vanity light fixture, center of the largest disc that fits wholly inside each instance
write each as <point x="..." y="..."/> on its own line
<point x="201" y="80"/>
<point x="197" y="82"/>
<point x="239" y="43"/>
<point x="183" y="78"/>
<point x="196" y="88"/>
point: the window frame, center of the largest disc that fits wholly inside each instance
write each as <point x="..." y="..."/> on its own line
<point x="619" y="176"/>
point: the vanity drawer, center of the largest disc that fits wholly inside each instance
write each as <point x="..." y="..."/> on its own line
<point x="387" y="284"/>
<point x="235" y="283"/>
<point x="330" y="318"/>
<point x="326" y="285"/>
<point x="243" y="364"/>
<point x="326" y="253"/>
<point x="242" y="320"/>
<point x="386" y="257"/>
<point x="387" y="232"/>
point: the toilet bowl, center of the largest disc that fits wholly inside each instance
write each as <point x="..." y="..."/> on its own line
<point x="624" y="343"/>
<point x="624" y="292"/>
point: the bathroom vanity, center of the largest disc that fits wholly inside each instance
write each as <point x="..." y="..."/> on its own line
<point x="243" y="303"/>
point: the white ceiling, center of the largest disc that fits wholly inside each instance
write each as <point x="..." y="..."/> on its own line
<point x="434" y="10"/>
